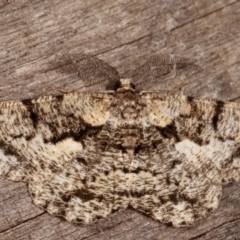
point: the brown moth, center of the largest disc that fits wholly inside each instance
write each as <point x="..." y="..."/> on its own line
<point x="85" y="155"/>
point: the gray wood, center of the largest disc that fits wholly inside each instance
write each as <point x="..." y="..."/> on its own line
<point x="122" y="33"/>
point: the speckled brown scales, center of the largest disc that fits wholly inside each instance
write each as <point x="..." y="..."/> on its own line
<point x="85" y="155"/>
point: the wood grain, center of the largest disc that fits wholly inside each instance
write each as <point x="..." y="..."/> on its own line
<point x="123" y="33"/>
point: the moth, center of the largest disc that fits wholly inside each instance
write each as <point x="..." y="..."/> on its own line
<point x="85" y="155"/>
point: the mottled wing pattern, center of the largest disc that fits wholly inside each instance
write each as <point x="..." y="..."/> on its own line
<point x="85" y="155"/>
<point x="49" y="126"/>
<point x="94" y="73"/>
<point x="195" y="146"/>
<point x="55" y="144"/>
<point x="90" y="188"/>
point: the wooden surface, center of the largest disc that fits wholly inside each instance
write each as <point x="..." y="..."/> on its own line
<point x="123" y="33"/>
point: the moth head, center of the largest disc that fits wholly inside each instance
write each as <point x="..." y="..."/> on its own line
<point x="125" y="84"/>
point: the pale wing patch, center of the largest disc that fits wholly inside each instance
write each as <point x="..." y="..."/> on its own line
<point x="92" y="108"/>
<point x="163" y="110"/>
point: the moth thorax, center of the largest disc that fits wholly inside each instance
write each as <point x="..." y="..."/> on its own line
<point x="126" y="85"/>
